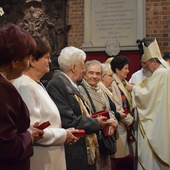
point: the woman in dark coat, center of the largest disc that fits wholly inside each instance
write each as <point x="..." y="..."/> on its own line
<point x="16" y="46"/>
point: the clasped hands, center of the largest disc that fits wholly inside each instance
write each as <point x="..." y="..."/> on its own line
<point x="36" y="133"/>
<point x="104" y="122"/>
<point x="70" y="139"/>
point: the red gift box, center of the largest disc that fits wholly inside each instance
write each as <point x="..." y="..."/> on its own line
<point x="80" y="133"/>
<point x="101" y="113"/>
<point x="44" y="125"/>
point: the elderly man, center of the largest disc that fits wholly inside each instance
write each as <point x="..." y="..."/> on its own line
<point x="138" y="78"/>
<point x="73" y="110"/>
<point x="141" y="74"/>
<point x="153" y="104"/>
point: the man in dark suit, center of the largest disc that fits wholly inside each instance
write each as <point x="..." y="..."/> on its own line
<point x="74" y="113"/>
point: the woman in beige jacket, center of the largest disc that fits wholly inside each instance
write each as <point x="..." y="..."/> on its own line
<point x="122" y="100"/>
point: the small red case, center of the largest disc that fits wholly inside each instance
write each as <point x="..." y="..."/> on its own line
<point x="101" y="113"/>
<point x="44" y="125"/>
<point x="80" y="133"/>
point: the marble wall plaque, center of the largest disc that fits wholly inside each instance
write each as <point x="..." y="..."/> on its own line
<point x="113" y="20"/>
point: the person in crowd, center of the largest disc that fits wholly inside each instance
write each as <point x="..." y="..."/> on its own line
<point x="49" y="151"/>
<point x="141" y="75"/>
<point x="152" y="100"/>
<point x="139" y="78"/>
<point x="104" y="84"/>
<point x="97" y="101"/>
<point x="74" y="111"/>
<point x="16" y="47"/>
<point x="123" y="101"/>
<point x="166" y="57"/>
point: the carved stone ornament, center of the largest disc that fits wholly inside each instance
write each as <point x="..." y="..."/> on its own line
<point x="40" y="17"/>
<point x="112" y="48"/>
<point x="46" y="18"/>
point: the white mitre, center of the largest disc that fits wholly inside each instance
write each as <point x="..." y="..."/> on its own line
<point x="153" y="51"/>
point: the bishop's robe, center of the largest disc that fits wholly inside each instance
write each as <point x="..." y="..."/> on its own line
<point x="153" y="104"/>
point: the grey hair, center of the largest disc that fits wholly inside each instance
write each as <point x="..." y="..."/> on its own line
<point x="109" y="60"/>
<point x="105" y="68"/>
<point x="92" y="62"/>
<point x="69" y="56"/>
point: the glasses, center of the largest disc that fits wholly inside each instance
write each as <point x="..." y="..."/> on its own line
<point x="110" y="75"/>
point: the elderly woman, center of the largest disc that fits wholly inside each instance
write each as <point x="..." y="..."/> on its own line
<point x="122" y="100"/>
<point x="104" y="84"/>
<point x="16" y="47"/>
<point x="49" y="151"/>
<point x="97" y="101"/>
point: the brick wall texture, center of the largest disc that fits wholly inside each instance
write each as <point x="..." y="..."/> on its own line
<point x="75" y="18"/>
<point x="157" y="22"/>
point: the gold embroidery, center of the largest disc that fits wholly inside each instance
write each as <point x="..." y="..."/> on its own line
<point x="144" y="83"/>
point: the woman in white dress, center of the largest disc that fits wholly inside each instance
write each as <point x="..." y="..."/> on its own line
<point x="49" y="151"/>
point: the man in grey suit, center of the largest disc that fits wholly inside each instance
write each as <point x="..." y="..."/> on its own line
<point x="74" y="113"/>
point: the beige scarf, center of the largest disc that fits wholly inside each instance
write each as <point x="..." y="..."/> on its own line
<point x="99" y="98"/>
<point x="106" y="90"/>
<point x="91" y="139"/>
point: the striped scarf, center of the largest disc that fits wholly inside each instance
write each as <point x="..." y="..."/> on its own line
<point x="127" y="109"/>
<point x="125" y="103"/>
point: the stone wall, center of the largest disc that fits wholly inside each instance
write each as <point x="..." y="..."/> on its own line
<point x="157" y="22"/>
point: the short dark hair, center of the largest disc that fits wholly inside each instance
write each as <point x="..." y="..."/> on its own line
<point x="119" y="62"/>
<point x="166" y="55"/>
<point x="43" y="47"/>
<point x="15" y="44"/>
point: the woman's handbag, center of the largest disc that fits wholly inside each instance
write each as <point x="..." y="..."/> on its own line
<point x="107" y="144"/>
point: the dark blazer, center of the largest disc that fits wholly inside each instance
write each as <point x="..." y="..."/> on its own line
<point x="15" y="141"/>
<point x="62" y="92"/>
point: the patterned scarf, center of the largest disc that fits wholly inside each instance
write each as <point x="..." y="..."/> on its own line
<point x="99" y="99"/>
<point x="127" y="108"/>
<point x="127" y="105"/>
<point x="91" y="139"/>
